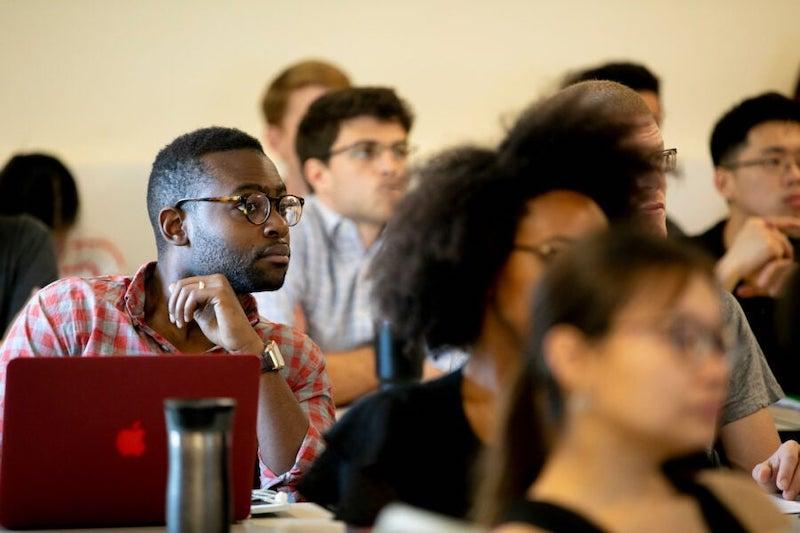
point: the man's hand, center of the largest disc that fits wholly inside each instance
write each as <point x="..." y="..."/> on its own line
<point x="212" y="304"/>
<point x="779" y="471"/>
<point x="760" y="241"/>
<point x="769" y="281"/>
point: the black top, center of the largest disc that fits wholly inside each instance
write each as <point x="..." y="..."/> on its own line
<point x="552" y="517"/>
<point x="27" y="260"/>
<point x="760" y="312"/>
<point x="411" y="443"/>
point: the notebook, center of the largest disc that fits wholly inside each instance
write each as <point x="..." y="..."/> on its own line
<point x="84" y="438"/>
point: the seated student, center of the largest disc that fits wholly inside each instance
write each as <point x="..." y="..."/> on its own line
<point x="747" y="433"/>
<point x="221" y="220"/>
<point x="756" y="151"/>
<point x="353" y="148"/>
<point x="626" y="371"/>
<point x="41" y="186"/>
<point x="460" y="260"/>
<point x="642" y="80"/>
<point x="284" y="103"/>
<point x="27" y="263"/>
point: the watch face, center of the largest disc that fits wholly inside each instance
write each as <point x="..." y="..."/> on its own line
<point x="271" y="358"/>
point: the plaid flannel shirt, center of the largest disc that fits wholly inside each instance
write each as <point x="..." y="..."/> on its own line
<point x="105" y="316"/>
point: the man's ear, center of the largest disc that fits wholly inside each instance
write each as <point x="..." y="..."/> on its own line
<point x="724" y="182"/>
<point x="273" y="136"/>
<point x="317" y="174"/>
<point x="565" y="352"/>
<point x="171" y="224"/>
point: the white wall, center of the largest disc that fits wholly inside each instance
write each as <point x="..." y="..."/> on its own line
<point x="105" y="84"/>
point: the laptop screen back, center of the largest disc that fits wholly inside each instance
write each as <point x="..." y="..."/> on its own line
<point x="84" y="439"/>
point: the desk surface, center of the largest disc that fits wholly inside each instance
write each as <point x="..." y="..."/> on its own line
<point x="786" y="418"/>
<point x="300" y="517"/>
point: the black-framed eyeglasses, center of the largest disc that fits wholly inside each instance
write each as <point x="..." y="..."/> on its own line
<point x="257" y="206"/>
<point x="774" y="164"/>
<point x="668" y="160"/>
<point x="372" y="150"/>
<point x="693" y="341"/>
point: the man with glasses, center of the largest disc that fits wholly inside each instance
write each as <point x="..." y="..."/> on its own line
<point x="221" y="218"/>
<point x="747" y="433"/>
<point x="756" y="151"/>
<point x="353" y="147"/>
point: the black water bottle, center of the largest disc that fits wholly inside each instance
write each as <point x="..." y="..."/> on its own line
<point x="397" y="361"/>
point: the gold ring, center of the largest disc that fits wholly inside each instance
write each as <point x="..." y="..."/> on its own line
<point x="201" y="285"/>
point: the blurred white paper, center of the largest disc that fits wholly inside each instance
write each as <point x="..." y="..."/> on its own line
<point x="786" y="506"/>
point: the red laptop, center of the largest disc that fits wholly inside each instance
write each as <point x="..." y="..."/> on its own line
<point x="84" y="438"/>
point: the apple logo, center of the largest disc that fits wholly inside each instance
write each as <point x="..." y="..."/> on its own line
<point x="130" y="441"/>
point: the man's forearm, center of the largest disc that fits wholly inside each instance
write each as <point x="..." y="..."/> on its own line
<point x="352" y="374"/>
<point x="750" y="440"/>
<point x="281" y="426"/>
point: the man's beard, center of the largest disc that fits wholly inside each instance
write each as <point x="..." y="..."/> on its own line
<point x="213" y="256"/>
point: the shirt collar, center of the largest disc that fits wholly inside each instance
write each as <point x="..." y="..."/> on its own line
<point x="341" y="232"/>
<point x="136" y="291"/>
<point x="331" y="220"/>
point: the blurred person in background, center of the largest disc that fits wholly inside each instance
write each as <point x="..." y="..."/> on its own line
<point x="353" y="145"/>
<point x="41" y="186"/>
<point x="625" y="376"/>
<point x="755" y="147"/>
<point x="27" y="263"/>
<point x="642" y="80"/>
<point x="460" y="259"/>
<point x="283" y="105"/>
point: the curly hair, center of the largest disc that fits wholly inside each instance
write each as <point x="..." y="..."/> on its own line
<point x="450" y="237"/>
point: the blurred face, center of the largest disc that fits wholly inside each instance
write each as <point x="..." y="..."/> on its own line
<point x="660" y="375"/>
<point x="650" y="200"/>
<point x="366" y="176"/>
<point x="654" y="104"/>
<point x="221" y="239"/>
<point x="281" y="137"/>
<point x="553" y="222"/>
<point x="766" y="180"/>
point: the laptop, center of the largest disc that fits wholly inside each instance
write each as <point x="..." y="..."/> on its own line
<point x="85" y="443"/>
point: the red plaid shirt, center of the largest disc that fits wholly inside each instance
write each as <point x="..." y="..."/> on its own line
<point x="105" y="316"/>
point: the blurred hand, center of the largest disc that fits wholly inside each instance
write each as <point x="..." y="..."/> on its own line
<point x="769" y="280"/>
<point x="779" y="471"/>
<point x="212" y="304"/>
<point x="760" y="241"/>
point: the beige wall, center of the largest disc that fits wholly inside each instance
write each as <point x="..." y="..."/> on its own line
<point x="105" y="84"/>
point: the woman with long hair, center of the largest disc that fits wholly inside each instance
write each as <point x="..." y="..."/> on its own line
<point x="624" y="379"/>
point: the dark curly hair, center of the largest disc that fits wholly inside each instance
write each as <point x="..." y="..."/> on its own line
<point x="730" y="131"/>
<point x="178" y="171"/>
<point x="450" y="237"/>
<point x="581" y="140"/>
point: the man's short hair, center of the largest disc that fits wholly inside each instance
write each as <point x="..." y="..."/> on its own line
<point x="730" y="131"/>
<point x="633" y="75"/>
<point x="178" y="172"/>
<point x="297" y="76"/>
<point x="320" y="125"/>
<point x="580" y="139"/>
